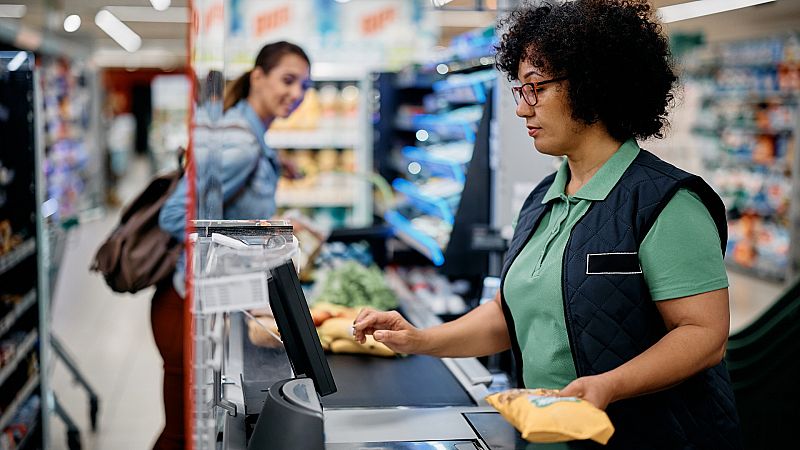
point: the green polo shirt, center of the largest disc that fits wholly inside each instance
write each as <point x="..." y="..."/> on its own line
<point x="680" y="256"/>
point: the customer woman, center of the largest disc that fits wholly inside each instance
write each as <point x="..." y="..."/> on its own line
<point x="246" y="172"/>
<point x="614" y="288"/>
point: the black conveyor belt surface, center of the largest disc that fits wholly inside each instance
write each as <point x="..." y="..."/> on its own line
<point x="373" y="382"/>
<point x="362" y="381"/>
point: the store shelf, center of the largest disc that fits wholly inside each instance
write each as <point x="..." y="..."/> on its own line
<point x="23" y="444"/>
<point x="16" y="256"/>
<point x="22" y="395"/>
<point x="434" y="206"/>
<point x="471" y="88"/>
<point x="415" y="238"/>
<point x="313" y="139"/>
<point x="742" y="130"/>
<point x="755" y="271"/>
<point x="314" y="198"/>
<point x="22" y="352"/>
<point x="449" y="127"/>
<point x="751" y="96"/>
<point x="8" y="321"/>
<point x="437" y="166"/>
<point x="463" y="65"/>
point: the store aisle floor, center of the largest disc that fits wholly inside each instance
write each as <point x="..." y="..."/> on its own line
<point x="109" y="337"/>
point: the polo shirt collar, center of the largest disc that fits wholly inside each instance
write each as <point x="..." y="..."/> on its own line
<point x="602" y="182"/>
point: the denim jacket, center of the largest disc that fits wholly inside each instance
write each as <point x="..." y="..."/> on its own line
<point x="245" y="167"/>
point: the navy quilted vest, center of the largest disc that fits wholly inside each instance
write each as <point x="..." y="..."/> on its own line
<point x="611" y="318"/>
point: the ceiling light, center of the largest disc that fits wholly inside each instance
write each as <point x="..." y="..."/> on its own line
<point x="438" y="3"/>
<point x="118" y="31"/>
<point x="701" y="8"/>
<point x="16" y="61"/>
<point x="177" y="14"/>
<point x="160" y="5"/>
<point x="72" y="23"/>
<point x="342" y="1"/>
<point x="13" y="11"/>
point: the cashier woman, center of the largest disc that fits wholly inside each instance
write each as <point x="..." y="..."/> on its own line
<point x="614" y="288"/>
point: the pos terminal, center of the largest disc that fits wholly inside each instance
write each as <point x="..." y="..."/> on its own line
<point x="291" y="417"/>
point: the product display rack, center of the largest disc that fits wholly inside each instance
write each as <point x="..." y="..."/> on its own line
<point x="325" y="142"/>
<point x="67" y="116"/>
<point x="23" y="255"/>
<point x="747" y="131"/>
<point x="426" y="122"/>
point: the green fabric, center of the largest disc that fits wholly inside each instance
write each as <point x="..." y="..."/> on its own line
<point x="680" y="256"/>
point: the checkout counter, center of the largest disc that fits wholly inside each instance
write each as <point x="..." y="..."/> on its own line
<point x="414" y="402"/>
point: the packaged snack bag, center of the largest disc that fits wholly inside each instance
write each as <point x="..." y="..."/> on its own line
<point x="541" y="416"/>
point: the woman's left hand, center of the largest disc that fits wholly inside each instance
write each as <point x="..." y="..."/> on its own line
<point x="596" y="389"/>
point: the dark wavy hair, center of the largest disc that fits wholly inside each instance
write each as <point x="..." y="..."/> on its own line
<point x="614" y="53"/>
<point x="269" y="57"/>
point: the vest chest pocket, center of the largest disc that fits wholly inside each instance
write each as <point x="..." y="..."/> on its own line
<point x="625" y="263"/>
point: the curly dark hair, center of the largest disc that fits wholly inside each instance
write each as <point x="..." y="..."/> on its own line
<point x="614" y="53"/>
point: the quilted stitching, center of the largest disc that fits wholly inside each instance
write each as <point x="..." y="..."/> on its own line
<point x="613" y="319"/>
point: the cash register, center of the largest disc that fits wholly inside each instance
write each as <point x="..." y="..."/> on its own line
<point x="291" y="417"/>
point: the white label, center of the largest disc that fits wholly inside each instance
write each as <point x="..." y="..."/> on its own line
<point x="232" y="293"/>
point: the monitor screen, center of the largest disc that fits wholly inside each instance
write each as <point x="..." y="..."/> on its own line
<point x="297" y="330"/>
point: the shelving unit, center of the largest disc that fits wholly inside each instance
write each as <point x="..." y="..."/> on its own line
<point x="748" y="132"/>
<point x="70" y="157"/>
<point x="426" y="123"/>
<point x="325" y="141"/>
<point x="23" y="254"/>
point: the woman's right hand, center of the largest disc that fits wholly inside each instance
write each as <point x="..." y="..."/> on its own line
<point x="389" y="328"/>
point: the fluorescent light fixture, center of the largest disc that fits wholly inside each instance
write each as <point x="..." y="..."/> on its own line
<point x="72" y="23"/>
<point x="701" y="8"/>
<point x="178" y="14"/>
<point x="17" y="61"/>
<point x="160" y="5"/>
<point x="118" y="31"/>
<point x="438" y="3"/>
<point x="13" y="11"/>
<point x="342" y="1"/>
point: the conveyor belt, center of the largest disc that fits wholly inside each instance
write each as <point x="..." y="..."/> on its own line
<point x="362" y="381"/>
<point x="414" y="381"/>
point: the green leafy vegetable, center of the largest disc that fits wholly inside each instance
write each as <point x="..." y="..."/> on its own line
<point x="354" y="285"/>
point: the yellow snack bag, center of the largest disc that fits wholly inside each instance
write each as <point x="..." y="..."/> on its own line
<point x="541" y="416"/>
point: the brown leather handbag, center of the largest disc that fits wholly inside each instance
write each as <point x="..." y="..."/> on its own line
<point x="138" y="253"/>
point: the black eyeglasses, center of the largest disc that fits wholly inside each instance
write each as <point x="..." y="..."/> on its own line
<point x="530" y="91"/>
